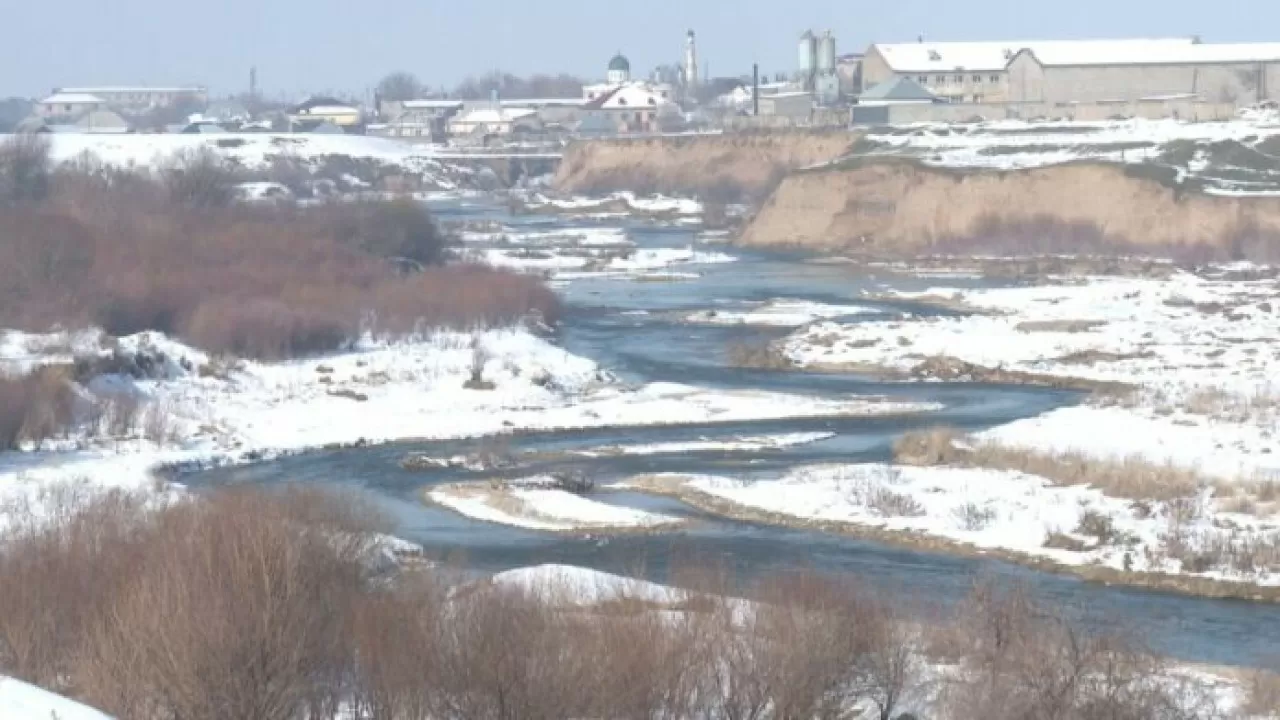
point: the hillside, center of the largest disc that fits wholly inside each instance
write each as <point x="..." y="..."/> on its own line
<point x="893" y="206"/>
<point x="725" y="168"/>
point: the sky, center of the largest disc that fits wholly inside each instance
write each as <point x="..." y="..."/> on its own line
<point x="344" y="47"/>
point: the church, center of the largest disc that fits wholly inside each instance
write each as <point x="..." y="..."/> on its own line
<point x="626" y="105"/>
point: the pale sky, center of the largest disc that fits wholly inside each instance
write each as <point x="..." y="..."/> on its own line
<point x="302" y="46"/>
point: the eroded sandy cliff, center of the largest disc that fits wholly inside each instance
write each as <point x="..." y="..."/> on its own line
<point x="720" y="167"/>
<point x="901" y="206"/>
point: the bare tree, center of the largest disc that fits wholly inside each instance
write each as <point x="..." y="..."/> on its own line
<point x="199" y="178"/>
<point x="26" y="169"/>
<point x="399" y="86"/>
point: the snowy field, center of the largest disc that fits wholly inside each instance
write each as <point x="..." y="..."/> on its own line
<point x="1239" y="157"/>
<point x="779" y="312"/>
<point x="257" y="151"/>
<point x="1200" y="356"/>
<point x="1201" y="352"/>
<point x="211" y="410"/>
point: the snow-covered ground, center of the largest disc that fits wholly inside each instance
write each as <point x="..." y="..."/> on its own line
<point x="778" y="312"/>
<point x="1240" y="156"/>
<point x="570" y="263"/>
<point x="1200" y="355"/>
<point x="214" y="410"/>
<point x="1201" y="351"/>
<point x="257" y="151"/>
<point x="20" y="701"/>
<point x="626" y="201"/>
<point x="536" y="503"/>
<point x="997" y="510"/>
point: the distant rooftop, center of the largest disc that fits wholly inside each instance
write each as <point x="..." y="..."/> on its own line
<point x="130" y="89"/>
<point x="73" y="98"/>
<point x="431" y="104"/>
<point x="927" y="57"/>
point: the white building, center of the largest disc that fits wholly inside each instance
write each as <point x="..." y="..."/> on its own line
<point x="494" y="121"/>
<point x="1081" y="71"/>
<point x="69" y="104"/>
<point x="138" y="98"/>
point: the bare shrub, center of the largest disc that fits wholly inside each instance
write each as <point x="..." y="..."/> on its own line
<point x="397" y="671"/>
<point x="934" y="446"/>
<point x="252" y="604"/>
<point x="199" y="178"/>
<point x="974" y="517"/>
<point x="263" y="282"/>
<point x="398" y="229"/>
<point x="25" y="168"/>
<point x="1021" y="661"/>
<point x="1097" y="525"/>
<point x="576" y="482"/>
<point x="62" y="563"/>
<point x="887" y="503"/>
<point x="1231" y="550"/>
<point x="35" y="407"/>
<point x="1062" y="541"/>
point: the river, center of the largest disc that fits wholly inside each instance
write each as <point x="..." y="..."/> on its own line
<point x="633" y="329"/>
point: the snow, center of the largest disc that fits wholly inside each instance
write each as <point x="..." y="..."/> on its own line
<point x="581" y="586"/>
<point x="567" y="263"/>
<point x="654" y="204"/>
<point x="750" y="443"/>
<point x="1018" y="144"/>
<point x="984" y="508"/>
<point x="536" y="504"/>
<point x="224" y="412"/>
<point x="961" y="57"/>
<point x="20" y="701"/>
<point x="250" y="150"/>
<point x="778" y="312"/>
<point x="72" y="98"/>
<point x="1184" y="341"/>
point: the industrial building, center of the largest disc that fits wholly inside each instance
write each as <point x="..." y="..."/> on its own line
<point x="1082" y="71"/>
<point x="818" y="67"/>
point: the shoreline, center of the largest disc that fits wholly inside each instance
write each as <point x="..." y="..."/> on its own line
<point x="1188" y="585"/>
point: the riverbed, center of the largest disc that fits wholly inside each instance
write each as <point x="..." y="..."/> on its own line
<point x="652" y="329"/>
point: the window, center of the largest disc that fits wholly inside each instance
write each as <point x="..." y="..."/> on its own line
<point x="977" y="79"/>
<point x="994" y="79"/>
<point x="923" y="79"/>
<point x="622" y="101"/>
<point x="959" y="79"/>
<point x="941" y="80"/>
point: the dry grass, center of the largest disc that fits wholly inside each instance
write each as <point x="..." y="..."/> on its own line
<point x="1263" y="693"/>
<point x="1063" y="541"/>
<point x="757" y="355"/>
<point x="1133" y="478"/>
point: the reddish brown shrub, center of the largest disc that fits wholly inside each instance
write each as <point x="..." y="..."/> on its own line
<point x="263" y="282"/>
<point x="35" y="407"/>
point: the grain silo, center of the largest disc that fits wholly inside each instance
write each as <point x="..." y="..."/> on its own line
<point x="826" y="64"/>
<point x="808" y="56"/>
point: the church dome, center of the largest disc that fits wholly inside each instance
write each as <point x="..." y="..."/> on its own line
<point x="620" y="63"/>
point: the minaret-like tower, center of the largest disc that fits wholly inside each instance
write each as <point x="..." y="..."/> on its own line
<point x="690" y="61"/>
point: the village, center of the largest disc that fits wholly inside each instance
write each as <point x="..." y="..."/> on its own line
<point x="887" y="83"/>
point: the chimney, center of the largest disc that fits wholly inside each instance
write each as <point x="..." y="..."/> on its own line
<point x="755" y="89"/>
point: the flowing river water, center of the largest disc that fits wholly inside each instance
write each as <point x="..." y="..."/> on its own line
<point x="633" y="329"/>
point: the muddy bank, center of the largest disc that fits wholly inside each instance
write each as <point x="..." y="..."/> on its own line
<point x="677" y="487"/>
<point x="724" y="168"/>
<point x="899" y="207"/>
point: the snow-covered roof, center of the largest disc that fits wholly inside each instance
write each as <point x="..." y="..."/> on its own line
<point x="129" y="89"/>
<point x="489" y="115"/>
<point x="330" y="110"/>
<point x="633" y="95"/>
<point x="431" y="104"/>
<point x="542" y="102"/>
<point x="1158" y="54"/>
<point x="72" y="98"/>
<point x="991" y="56"/>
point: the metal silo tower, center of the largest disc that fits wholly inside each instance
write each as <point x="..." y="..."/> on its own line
<point x="808" y="58"/>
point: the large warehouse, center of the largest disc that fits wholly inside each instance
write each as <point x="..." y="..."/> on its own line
<point x="1095" y="71"/>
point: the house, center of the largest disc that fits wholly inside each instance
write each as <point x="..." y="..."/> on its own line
<point x="140" y="98"/>
<point x="426" y="118"/>
<point x="324" y="109"/>
<point x="1081" y="71"/>
<point x="202" y="128"/>
<point x="632" y="108"/>
<point x="483" y="122"/>
<point x="68" y="104"/>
